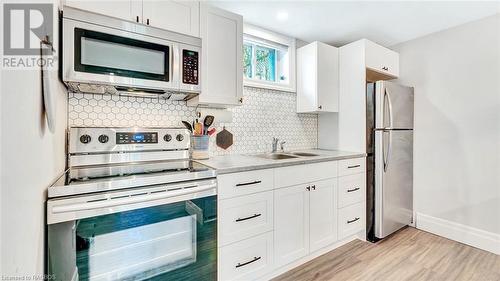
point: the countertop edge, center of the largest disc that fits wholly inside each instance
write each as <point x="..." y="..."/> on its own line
<point x="278" y="164"/>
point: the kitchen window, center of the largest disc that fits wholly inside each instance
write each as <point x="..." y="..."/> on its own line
<point x="268" y="59"/>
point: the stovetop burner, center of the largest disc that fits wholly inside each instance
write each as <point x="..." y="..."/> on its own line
<point x="88" y="173"/>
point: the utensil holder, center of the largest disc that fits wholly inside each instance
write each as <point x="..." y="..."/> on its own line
<point x="199" y="147"/>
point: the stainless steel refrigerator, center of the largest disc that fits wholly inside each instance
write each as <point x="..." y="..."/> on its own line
<point x="390" y="158"/>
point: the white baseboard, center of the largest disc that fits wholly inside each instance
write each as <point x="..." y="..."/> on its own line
<point x="478" y="238"/>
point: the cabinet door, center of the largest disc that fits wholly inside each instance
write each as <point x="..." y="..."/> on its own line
<point x="124" y="9"/>
<point x="222" y="64"/>
<point x="381" y="59"/>
<point x="291" y="224"/>
<point x="323" y="214"/>
<point x="328" y="78"/>
<point x="178" y="16"/>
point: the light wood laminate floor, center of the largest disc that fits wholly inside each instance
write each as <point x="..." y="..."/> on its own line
<point x="409" y="254"/>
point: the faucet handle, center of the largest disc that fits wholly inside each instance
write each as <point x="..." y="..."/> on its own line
<point x="282" y="145"/>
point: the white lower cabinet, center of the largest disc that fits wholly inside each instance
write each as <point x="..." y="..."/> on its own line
<point x="322" y="214"/>
<point x="291" y="223"/>
<point x="305" y="219"/>
<point x="245" y="216"/>
<point x="271" y="219"/>
<point x="351" y="219"/>
<point x="248" y="259"/>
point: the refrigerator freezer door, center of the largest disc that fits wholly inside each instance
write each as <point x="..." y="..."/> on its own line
<point x="394" y="106"/>
<point x="393" y="181"/>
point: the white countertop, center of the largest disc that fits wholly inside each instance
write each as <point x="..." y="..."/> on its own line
<point x="240" y="163"/>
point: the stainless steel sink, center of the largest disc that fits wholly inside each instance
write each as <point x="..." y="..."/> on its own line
<point x="276" y="156"/>
<point x="306" y="154"/>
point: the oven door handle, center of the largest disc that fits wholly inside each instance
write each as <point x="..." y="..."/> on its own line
<point x="66" y="210"/>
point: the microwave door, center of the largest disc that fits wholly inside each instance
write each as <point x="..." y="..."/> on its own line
<point x="101" y="55"/>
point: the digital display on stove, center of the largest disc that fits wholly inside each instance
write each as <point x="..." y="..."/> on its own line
<point x="139" y="137"/>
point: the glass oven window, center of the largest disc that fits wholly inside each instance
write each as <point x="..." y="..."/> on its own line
<point x="102" y="53"/>
<point x="177" y="241"/>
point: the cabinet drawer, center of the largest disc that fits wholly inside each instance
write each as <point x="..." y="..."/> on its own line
<point x="244" y="217"/>
<point x="351" y="189"/>
<point x="237" y="184"/>
<point x="248" y="259"/>
<point x="299" y="174"/>
<point x="352" y="166"/>
<point x="351" y="220"/>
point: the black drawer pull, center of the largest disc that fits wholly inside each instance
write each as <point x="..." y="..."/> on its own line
<point x="248" y="218"/>
<point x="354" y="220"/>
<point x="248" y="183"/>
<point x="352" y="190"/>
<point x="355" y="166"/>
<point x="248" y="262"/>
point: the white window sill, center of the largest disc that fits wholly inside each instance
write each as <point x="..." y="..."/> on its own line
<point x="270" y="86"/>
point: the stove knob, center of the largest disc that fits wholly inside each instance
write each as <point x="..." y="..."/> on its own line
<point x="85" y="139"/>
<point x="167" y="137"/>
<point x="103" y="139"/>
<point x="179" y="137"/>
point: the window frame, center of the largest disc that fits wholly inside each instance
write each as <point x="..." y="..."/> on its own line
<point x="262" y="37"/>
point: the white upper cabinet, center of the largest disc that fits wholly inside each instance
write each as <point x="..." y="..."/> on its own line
<point x="381" y="59"/>
<point x="221" y="60"/>
<point x="124" y="9"/>
<point x="317" y="78"/>
<point x="178" y="16"/>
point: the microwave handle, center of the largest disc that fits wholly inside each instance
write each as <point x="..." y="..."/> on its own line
<point x="175" y="66"/>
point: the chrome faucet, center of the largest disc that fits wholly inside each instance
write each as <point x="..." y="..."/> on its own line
<point x="275" y="145"/>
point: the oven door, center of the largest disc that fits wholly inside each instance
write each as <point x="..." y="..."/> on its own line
<point x="161" y="233"/>
<point x="96" y="54"/>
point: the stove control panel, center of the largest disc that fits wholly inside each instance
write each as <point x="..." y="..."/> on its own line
<point x="107" y="140"/>
<point x="136" y="137"/>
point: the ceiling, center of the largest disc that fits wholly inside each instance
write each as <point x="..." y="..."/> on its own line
<point x="338" y="23"/>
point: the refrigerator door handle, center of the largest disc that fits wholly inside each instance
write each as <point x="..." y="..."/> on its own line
<point x="389" y="104"/>
<point x="389" y="150"/>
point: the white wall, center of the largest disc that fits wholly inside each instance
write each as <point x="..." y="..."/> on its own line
<point x="31" y="159"/>
<point x="456" y="75"/>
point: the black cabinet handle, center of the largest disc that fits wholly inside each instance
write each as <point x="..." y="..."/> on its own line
<point x="137" y="18"/>
<point x="320" y="107"/>
<point x="248" y="183"/>
<point x="354" y="220"/>
<point x="352" y="190"/>
<point x="248" y="218"/>
<point x="308" y="188"/>
<point x="354" y="166"/>
<point x="385" y="68"/>
<point x="248" y="262"/>
<point x="313" y="187"/>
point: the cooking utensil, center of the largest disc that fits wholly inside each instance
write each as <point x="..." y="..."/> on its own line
<point x="188" y="126"/>
<point x="198" y="128"/>
<point x="211" y="131"/>
<point x="207" y="122"/>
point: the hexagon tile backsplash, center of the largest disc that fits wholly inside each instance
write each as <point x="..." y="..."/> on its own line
<point x="264" y="114"/>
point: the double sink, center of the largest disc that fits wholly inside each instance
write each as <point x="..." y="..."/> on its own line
<point x="282" y="156"/>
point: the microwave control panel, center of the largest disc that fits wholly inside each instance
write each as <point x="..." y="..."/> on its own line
<point x="190" y="69"/>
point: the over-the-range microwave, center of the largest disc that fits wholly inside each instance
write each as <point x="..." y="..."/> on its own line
<point x="106" y="55"/>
